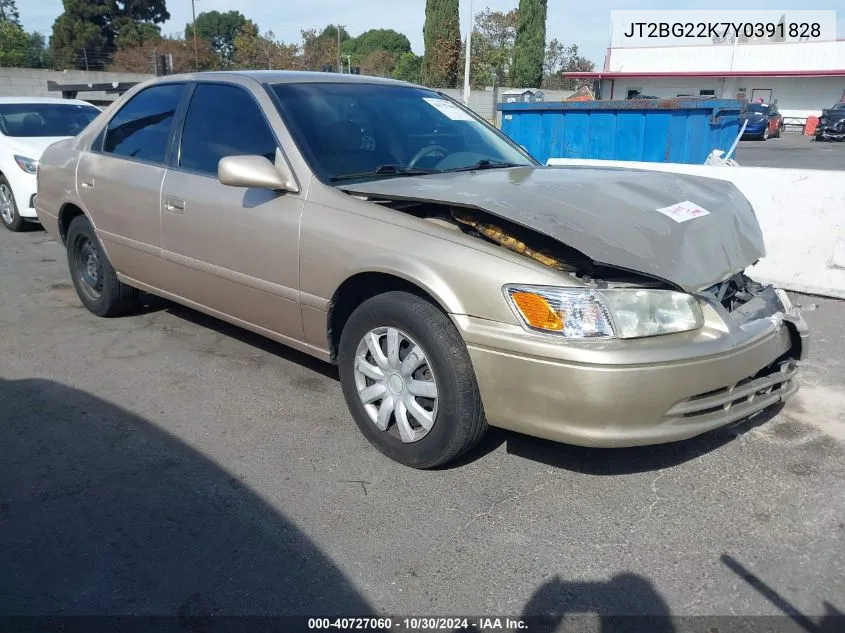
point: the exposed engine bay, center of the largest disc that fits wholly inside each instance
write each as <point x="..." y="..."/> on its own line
<point x="531" y="244"/>
<point x="732" y="294"/>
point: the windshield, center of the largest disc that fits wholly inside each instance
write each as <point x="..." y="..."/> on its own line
<point x="759" y="108"/>
<point x="351" y="131"/>
<point x="45" y="119"/>
<point x="839" y="106"/>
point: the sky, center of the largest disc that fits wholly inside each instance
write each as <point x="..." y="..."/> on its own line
<point x="586" y="24"/>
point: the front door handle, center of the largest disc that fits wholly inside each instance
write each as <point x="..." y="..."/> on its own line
<point x="174" y="204"/>
<point x="87" y="184"/>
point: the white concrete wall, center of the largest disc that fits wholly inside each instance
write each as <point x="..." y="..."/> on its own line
<point x="796" y="97"/>
<point x="801" y="213"/>
<point x="722" y="57"/>
<point x="31" y="82"/>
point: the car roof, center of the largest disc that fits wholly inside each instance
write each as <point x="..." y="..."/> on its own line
<point x="44" y="100"/>
<point x="289" y="77"/>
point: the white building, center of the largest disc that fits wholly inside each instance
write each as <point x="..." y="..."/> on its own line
<point x="802" y="77"/>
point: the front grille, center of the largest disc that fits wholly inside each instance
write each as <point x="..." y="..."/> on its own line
<point x="742" y="399"/>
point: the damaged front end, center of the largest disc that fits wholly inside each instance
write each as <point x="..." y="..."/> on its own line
<point x="748" y="303"/>
<point x="526" y="242"/>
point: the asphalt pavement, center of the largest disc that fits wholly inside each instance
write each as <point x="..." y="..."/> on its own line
<point x="167" y="463"/>
<point x="792" y="150"/>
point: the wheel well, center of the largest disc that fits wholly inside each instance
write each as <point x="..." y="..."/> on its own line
<point x="66" y="215"/>
<point x="357" y="289"/>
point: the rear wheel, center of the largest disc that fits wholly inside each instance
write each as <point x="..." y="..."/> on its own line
<point x="9" y="215"/>
<point x="779" y="130"/>
<point x="92" y="274"/>
<point x="409" y="382"/>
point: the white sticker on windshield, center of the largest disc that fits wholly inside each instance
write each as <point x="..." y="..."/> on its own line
<point x="684" y="211"/>
<point x="449" y="109"/>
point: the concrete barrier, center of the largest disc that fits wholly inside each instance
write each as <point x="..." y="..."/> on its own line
<point x="801" y="212"/>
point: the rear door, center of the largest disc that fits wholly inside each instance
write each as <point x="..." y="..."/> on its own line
<point x="119" y="180"/>
<point x="236" y="250"/>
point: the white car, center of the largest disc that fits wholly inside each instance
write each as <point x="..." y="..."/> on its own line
<point x="27" y="126"/>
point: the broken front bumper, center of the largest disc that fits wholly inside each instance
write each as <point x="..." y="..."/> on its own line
<point x="621" y="399"/>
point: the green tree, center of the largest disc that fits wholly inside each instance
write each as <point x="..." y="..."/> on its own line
<point x="330" y="33"/>
<point x="377" y="40"/>
<point x="37" y="54"/>
<point x="84" y="26"/>
<point x="254" y="50"/>
<point x="409" y="68"/>
<point x="9" y="12"/>
<point x="492" y="47"/>
<point x="13" y="44"/>
<point x="136" y="33"/>
<point x="562" y="59"/>
<point x="530" y="44"/>
<point x="442" y="38"/>
<point x="376" y="51"/>
<point x="320" y="49"/>
<point x="85" y="34"/>
<point x="220" y="29"/>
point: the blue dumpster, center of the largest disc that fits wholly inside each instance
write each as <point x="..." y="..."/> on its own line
<point x="651" y="130"/>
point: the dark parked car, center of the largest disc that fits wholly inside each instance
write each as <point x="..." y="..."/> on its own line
<point x="764" y="121"/>
<point x="832" y="124"/>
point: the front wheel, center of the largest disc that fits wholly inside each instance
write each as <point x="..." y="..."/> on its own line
<point x="9" y="215"/>
<point x="765" y="136"/>
<point x="96" y="282"/>
<point x="408" y="381"/>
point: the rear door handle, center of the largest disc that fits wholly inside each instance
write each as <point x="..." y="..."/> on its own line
<point x="174" y="204"/>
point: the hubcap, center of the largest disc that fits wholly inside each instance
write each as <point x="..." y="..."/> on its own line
<point x="89" y="268"/>
<point x="7" y="207"/>
<point x="396" y="384"/>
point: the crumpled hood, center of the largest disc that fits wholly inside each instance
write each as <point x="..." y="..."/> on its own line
<point x="609" y="214"/>
<point x="31" y="146"/>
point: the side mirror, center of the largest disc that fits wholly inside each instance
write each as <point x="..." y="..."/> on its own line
<point x="256" y="172"/>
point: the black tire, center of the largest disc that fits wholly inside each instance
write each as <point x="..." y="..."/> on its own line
<point x="101" y="294"/>
<point x="17" y="222"/>
<point x="459" y="423"/>
<point x="779" y="130"/>
<point x="765" y="135"/>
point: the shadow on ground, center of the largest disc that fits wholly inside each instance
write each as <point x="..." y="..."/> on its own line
<point x="103" y="513"/>
<point x="833" y="620"/>
<point x="627" y="603"/>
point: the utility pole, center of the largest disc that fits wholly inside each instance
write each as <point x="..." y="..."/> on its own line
<point x="194" y="29"/>
<point x="339" y="59"/>
<point x="468" y="55"/>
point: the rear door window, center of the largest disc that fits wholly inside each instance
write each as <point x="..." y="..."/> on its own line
<point x="223" y="120"/>
<point x="141" y="129"/>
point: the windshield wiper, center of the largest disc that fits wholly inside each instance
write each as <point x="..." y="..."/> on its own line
<point x="384" y="170"/>
<point x="486" y="163"/>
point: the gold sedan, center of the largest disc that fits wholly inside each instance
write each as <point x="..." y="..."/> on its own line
<point x="456" y="282"/>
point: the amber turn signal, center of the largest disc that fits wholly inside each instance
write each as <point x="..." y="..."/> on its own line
<point x="537" y="311"/>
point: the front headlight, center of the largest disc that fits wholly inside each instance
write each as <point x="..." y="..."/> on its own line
<point x="29" y="165"/>
<point x="621" y="313"/>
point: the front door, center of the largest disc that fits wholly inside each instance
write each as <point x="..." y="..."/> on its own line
<point x="235" y="250"/>
<point x="119" y="180"/>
